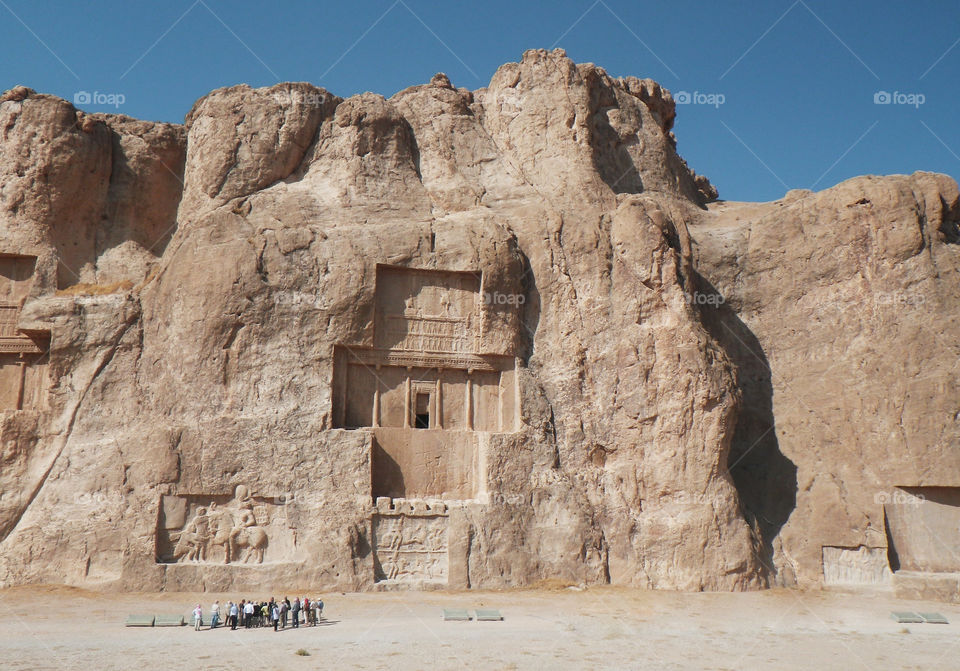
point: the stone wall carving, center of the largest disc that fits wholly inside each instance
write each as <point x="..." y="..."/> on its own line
<point x="221" y="529"/>
<point x="464" y="361"/>
<point x="425" y="387"/>
<point x="427" y="310"/>
<point x="410" y="541"/>
<point x="855" y="566"/>
<point x="23" y="355"/>
<point x="15" y="341"/>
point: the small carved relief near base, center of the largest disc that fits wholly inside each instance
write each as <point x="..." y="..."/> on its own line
<point x="855" y="566"/>
<point x="410" y="541"/>
<point x="243" y="529"/>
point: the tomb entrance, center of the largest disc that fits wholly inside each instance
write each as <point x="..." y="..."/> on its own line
<point x="23" y="354"/>
<point x="425" y="388"/>
<point x="429" y="395"/>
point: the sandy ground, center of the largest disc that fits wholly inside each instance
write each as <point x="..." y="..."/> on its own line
<point x="600" y="628"/>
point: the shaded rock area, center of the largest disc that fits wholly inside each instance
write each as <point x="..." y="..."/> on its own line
<point x="457" y="339"/>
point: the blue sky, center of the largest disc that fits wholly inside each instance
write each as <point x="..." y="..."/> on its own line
<point x="781" y="92"/>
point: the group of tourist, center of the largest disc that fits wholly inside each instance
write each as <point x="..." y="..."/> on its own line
<point x="249" y="614"/>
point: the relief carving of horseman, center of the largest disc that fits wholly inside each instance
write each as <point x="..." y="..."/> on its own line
<point x="235" y="529"/>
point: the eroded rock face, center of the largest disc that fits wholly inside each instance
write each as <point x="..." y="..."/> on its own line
<point x="93" y="197"/>
<point x="841" y="316"/>
<point x="447" y="338"/>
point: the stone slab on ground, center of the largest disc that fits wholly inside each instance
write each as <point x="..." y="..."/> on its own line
<point x="456" y="615"/>
<point x="488" y="615"/>
<point x="169" y="621"/>
<point x="139" y="621"/>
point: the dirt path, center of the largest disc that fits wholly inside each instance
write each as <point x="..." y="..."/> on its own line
<point x="602" y="628"/>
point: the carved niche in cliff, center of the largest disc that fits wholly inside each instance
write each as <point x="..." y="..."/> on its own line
<point x="425" y="387"/>
<point x="23" y="354"/>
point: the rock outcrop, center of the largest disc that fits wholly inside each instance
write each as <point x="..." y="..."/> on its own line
<point x="452" y="338"/>
<point x="841" y="315"/>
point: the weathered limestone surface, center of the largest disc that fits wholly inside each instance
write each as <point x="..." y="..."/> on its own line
<point x="841" y="315"/>
<point x="238" y="363"/>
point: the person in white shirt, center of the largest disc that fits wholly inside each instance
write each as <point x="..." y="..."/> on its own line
<point x="248" y="614"/>
<point x="215" y="614"/>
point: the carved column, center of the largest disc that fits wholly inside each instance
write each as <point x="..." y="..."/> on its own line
<point x="376" y="398"/>
<point x="340" y="374"/>
<point x="438" y="410"/>
<point x="406" y="399"/>
<point x="468" y="401"/>
<point x="21" y="380"/>
<point x="500" y="401"/>
<point x="516" y="395"/>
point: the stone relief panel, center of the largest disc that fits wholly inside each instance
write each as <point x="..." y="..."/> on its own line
<point x="855" y="566"/>
<point x="427" y="310"/>
<point x="410" y="541"/>
<point x="242" y="529"/>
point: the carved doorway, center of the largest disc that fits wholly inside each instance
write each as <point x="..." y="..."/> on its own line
<point x="421" y="411"/>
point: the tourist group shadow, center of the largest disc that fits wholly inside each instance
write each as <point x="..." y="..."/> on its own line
<point x="269" y="627"/>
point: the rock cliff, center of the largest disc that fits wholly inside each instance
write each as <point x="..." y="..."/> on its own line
<point x="456" y="338"/>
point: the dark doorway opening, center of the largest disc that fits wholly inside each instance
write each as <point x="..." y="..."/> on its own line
<point x="421" y="418"/>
